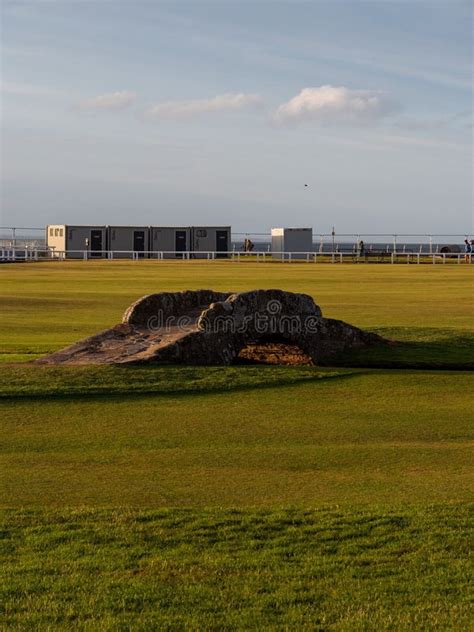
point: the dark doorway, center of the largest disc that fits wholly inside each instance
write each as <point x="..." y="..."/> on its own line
<point x="96" y="243"/>
<point x="222" y="243"/>
<point x="180" y="242"/>
<point x="139" y="242"/>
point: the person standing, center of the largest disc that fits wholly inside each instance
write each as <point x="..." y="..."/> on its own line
<point x="467" y="249"/>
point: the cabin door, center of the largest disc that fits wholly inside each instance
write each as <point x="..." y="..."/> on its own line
<point x="222" y="242"/>
<point x="96" y="243"/>
<point x="180" y="242"/>
<point x="139" y="242"/>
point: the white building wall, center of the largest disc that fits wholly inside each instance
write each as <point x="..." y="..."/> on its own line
<point x="56" y="238"/>
<point x="297" y="240"/>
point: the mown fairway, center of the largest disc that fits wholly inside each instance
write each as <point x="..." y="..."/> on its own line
<point x="244" y="497"/>
<point x="46" y="306"/>
<point x="310" y="440"/>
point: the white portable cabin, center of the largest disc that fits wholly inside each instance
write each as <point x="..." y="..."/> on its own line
<point x="172" y="241"/>
<point x="75" y="240"/>
<point x="210" y="239"/>
<point x="294" y="240"/>
<point x="123" y="241"/>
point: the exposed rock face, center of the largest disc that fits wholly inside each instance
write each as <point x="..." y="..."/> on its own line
<point x="206" y="327"/>
<point x="173" y="305"/>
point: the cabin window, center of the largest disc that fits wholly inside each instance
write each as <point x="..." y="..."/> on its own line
<point x="61" y="232"/>
<point x="51" y="232"/>
<point x="56" y="232"/>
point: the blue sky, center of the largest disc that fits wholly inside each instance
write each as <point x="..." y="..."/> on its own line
<point x="220" y="113"/>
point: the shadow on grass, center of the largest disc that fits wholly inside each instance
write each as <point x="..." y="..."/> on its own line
<point x="32" y="382"/>
<point x="416" y="348"/>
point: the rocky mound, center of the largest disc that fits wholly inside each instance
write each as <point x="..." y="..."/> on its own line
<point x="204" y="327"/>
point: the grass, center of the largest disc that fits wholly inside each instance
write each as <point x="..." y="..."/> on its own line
<point x="265" y="498"/>
<point x="46" y="306"/>
<point x="56" y="381"/>
<point x="282" y="569"/>
<point x="365" y="437"/>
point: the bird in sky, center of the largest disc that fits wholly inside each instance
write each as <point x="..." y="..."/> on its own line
<point x="306" y="185"/>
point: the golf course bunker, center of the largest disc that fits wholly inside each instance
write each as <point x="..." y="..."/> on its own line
<point x="204" y="327"/>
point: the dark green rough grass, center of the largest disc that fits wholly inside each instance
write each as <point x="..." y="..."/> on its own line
<point x="286" y="569"/>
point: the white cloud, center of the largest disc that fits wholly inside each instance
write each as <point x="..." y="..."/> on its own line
<point x="108" y="102"/>
<point x="188" y="109"/>
<point x="335" y="104"/>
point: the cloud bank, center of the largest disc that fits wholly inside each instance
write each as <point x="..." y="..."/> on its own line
<point x="335" y="104"/>
<point x="108" y="102"/>
<point x="188" y="109"/>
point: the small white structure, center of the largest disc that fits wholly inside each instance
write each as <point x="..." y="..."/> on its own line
<point x="78" y="241"/>
<point x="124" y="241"/>
<point x="210" y="239"/>
<point x="172" y="241"/>
<point x="294" y="240"/>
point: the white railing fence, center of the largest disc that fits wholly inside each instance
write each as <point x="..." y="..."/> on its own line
<point x="368" y="256"/>
<point x="427" y="243"/>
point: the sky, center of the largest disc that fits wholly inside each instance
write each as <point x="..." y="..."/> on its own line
<point x="219" y="113"/>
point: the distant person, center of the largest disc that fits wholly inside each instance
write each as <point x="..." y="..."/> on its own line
<point x="248" y="245"/>
<point x="360" y="248"/>
<point x="468" y="249"/>
<point x="472" y="250"/>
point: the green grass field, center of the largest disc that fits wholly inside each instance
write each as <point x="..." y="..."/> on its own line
<point x="277" y="498"/>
